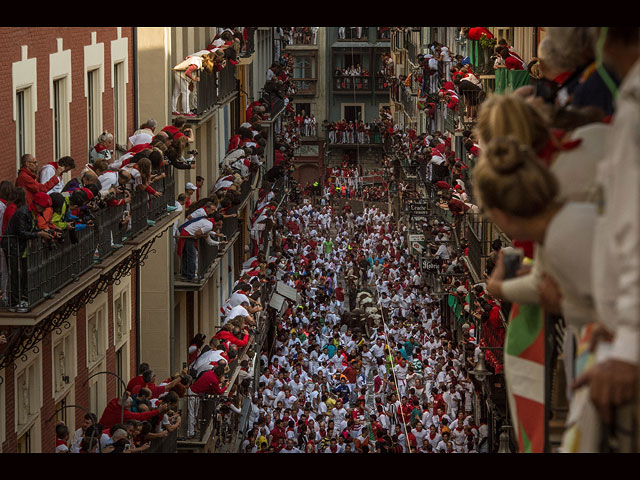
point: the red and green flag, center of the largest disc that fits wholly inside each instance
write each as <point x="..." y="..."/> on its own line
<point x="524" y="355"/>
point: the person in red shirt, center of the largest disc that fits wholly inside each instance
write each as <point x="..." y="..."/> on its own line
<point x="209" y="383"/>
<point x="231" y="334"/>
<point x="27" y="177"/>
<point x="113" y="413"/>
<point x="137" y="380"/>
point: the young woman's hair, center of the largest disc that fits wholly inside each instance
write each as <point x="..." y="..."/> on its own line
<point x="6" y="190"/>
<point x="511" y="178"/>
<point x="19" y="196"/>
<point x="502" y="115"/>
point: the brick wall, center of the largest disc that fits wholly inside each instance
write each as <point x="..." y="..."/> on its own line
<point x="81" y="390"/>
<point x="42" y="42"/>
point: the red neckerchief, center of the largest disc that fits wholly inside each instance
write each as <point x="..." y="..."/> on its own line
<point x="563" y="77"/>
<point x="555" y="144"/>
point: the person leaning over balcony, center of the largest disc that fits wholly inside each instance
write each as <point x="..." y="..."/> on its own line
<point x="211" y="382"/>
<point x="27" y="177"/>
<point x="613" y="381"/>
<point x="520" y="195"/>
<point x="186" y="247"/>
<point x="232" y="334"/>
<point x="113" y="411"/>
<point x="184" y="77"/>
<point x="50" y="170"/>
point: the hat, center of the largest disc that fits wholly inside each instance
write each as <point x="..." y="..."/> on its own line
<point x="190" y="186"/>
<point x="42" y="199"/>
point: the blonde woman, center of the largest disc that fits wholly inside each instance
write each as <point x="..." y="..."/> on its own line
<point x="521" y="195"/>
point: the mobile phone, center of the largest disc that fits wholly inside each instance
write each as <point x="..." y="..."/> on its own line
<point x="512" y="261"/>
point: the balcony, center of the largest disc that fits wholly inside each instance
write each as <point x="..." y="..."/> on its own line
<point x="305" y="86"/>
<point x="352" y="83"/>
<point x="201" y="424"/>
<point x="353" y="34"/>
<point x="208" y="256"/>
<point x="302" y="36"/>
<point x="50" y="266"/>
<point x="214" y="88"/>
<point x="383" y="34"/>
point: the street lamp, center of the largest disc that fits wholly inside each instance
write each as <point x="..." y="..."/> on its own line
<point x="480" y="371"/>
<point x="505" y="441"/>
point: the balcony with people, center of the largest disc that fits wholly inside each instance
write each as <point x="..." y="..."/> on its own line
<point x="207" y="78"/>
<point x="55" y="233"/>
<point x="353" y="34"/>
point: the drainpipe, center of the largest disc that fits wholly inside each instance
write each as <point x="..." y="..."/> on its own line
<point x="135" y="77"/>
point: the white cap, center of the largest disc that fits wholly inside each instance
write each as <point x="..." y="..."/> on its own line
<point x="190" y="186"/>
<point x="245" y="125"/>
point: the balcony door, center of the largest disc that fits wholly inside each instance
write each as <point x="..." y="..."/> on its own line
<point x="352" y="113"/>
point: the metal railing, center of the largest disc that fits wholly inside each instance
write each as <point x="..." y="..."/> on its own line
<point x="214" y="87"/>
<point x="37" y="269"/>
<point x="383" y="33"/>
<point x="227" y="83"/>
<point x="198" y="416"/>
<point x="374" y="137"/>
<point x="301" y="36"/>
<point x="351" y="33"/>
<point x="352" y="82"/>
<point x="166" y="444"/>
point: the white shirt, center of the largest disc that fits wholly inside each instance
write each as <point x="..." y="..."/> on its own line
<point x="616" y="243"/>
<point x="48" y="171"/>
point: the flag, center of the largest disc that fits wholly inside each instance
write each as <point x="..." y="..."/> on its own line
<point x="524" y="367"/>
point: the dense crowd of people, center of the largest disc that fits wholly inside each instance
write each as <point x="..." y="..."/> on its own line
<point x="334" y="385"/>
<point x="364" y="360"/>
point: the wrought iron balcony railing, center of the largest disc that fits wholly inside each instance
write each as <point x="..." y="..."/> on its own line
<point x="38" y="269"/>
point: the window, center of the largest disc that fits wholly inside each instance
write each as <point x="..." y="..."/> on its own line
<point x="63" y="368"/>
<point x="61" y="411"/>
<point x="119" y="106"/>
<point x="96" y="336"/>
<point x="303" y="107"/>
<point x="305" y="73"/>
<point x="24" y="442"/>
<point x="27" y="395"/>
<point x="304" y="66"/>
<point x="352" y="113"/>
<point x="97" y="390"/>
<point x="24" y="123"/>
<point x="60" y="118"/>
<point x="93" y="107"/>
<point x="121" y="317"/>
